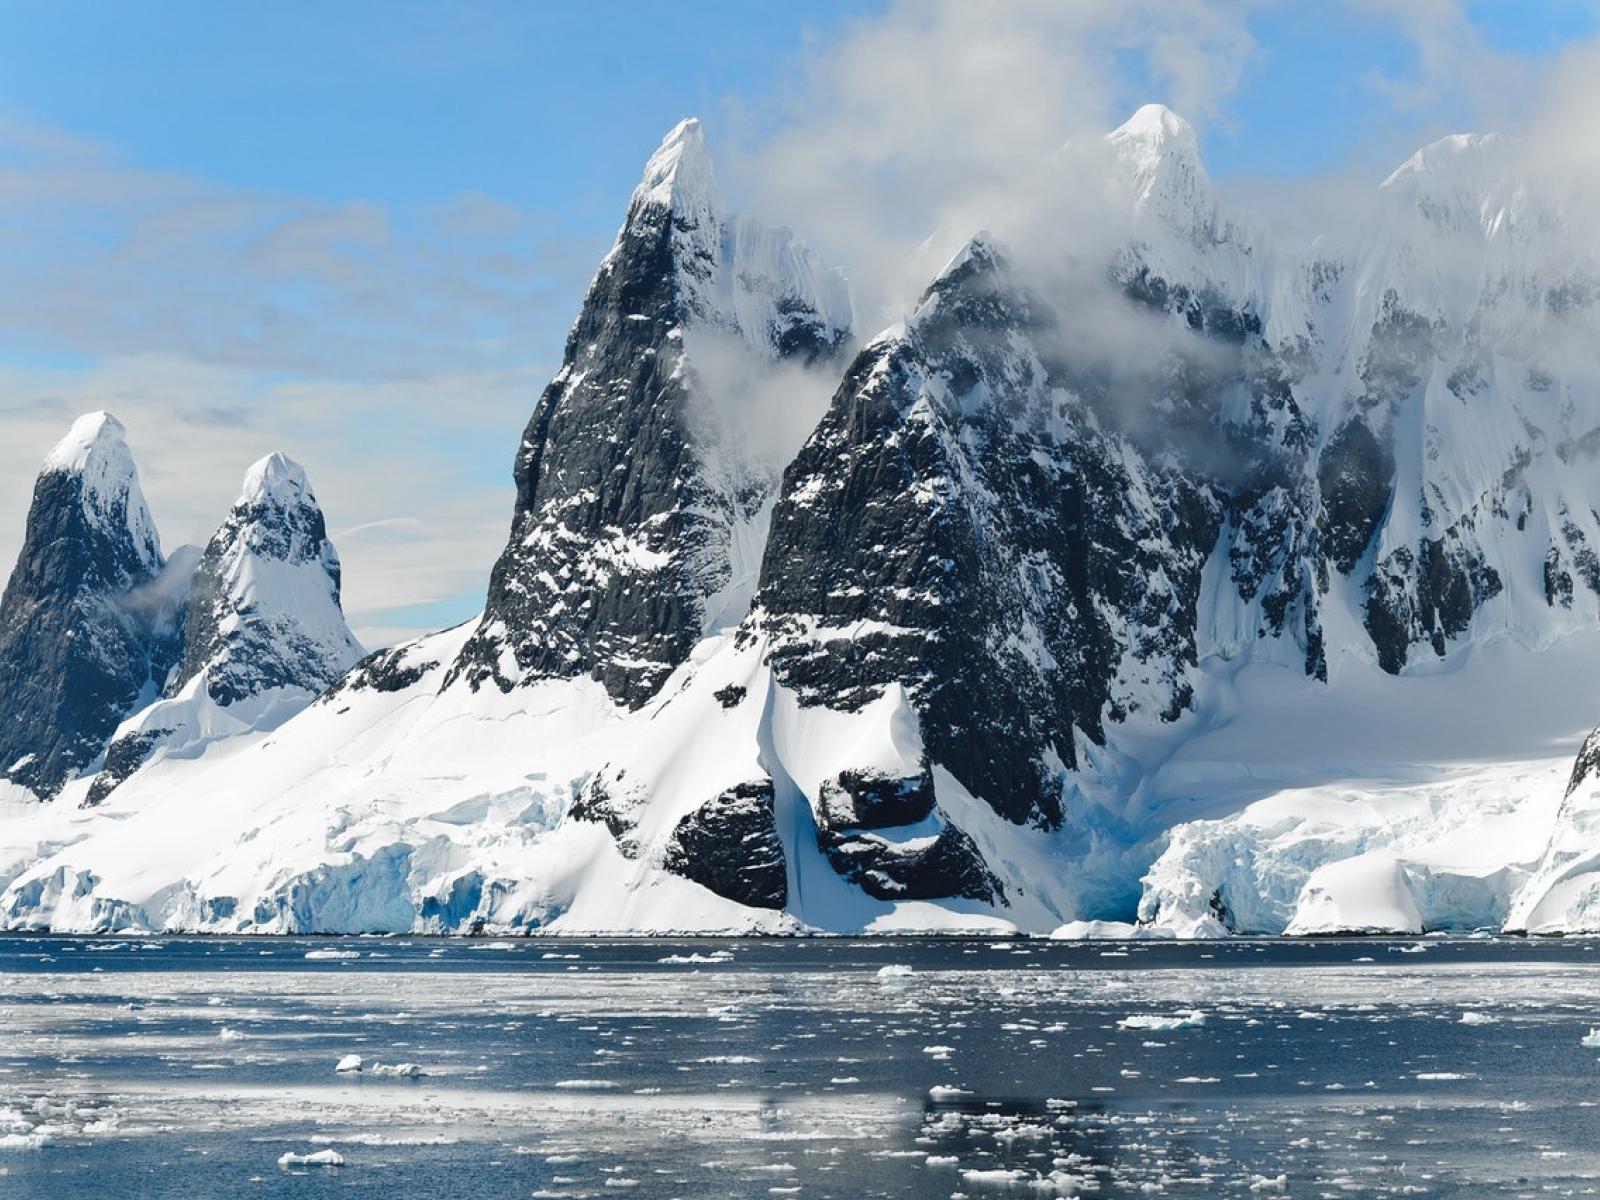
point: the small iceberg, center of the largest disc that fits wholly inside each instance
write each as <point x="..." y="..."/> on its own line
<point x="321" y="1158"/>
<point x="398" y="1070"/>
<point x="1185" y="1020"/>
<point x="350" y="1062"/>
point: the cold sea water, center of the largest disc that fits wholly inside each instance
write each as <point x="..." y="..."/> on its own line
<point x="204" y="1067"/>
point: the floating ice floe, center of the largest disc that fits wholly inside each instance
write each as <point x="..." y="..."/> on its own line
<point x="1185" y="1020"/>
<point x="325" y="955"/>
<point x="350" y="1062"/>
<point x="400" y="1070"/>
<point x="320" y="1158"/>
<point x="1592" y="1039"/>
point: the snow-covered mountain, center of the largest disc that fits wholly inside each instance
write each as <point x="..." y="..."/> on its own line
<point x="1194" y="575"/>
<point x="640" y="505"/>
<point x="263" y="636"/>
<point x="89" y="622"/>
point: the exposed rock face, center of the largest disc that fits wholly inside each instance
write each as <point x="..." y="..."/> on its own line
<point x="264" y="633"/>
<point x="963" y="525"/>
<point x="881" y="832"/>
<point x="88" y="623"/>
<point x="1354" y="474"/>
<point x="730" y="846"/>
<point x="631" y="501"/>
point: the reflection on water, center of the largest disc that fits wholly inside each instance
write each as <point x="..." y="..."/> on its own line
<point x="828" y="1068"/>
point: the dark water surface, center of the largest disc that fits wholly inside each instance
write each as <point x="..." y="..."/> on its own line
<point x="180" y="1067"/>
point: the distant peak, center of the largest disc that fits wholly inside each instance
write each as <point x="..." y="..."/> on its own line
<point x="95" y="452"/>
<point x="96" y="437"/>
<point x="277" y="479"/>
<point x="1452" y="155"/>
<point x="1158" y="124"/>
<point x="979" y="249"/>
<point x="680" y="169"/>
<point x="1158" y="162"/>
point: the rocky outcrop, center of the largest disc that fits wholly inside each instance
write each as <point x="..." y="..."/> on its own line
<point x="730" y="845"/>
<point x="963" y="525"/>
<point x="89" y="623"/>
<point x="884" y="833"/>
<point x="633" y="496"/>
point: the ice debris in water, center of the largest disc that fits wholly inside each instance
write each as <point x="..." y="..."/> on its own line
<point x="320" y="1158"/>
<point x="1186" y="1020"/>
<point x="29" y="1124"/>
<point x="332" y="954"/>
<point x="1473" y="1017"/>
<point x="895" y="971"/>
<point x="1592" y="1039"/>
<point x="350" y="1062"/>
<point x="401" y="1070"/>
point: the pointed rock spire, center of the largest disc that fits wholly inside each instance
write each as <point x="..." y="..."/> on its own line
<point x="265" y="611"/>
<point x="1159" y="159"/>
<point x="679" y="173"/>
<point x="264" y="635"/>
<point x="624" y="527"/>
<point x="82" y="627"/>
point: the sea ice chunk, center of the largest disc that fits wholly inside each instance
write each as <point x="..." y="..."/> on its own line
<point x="321" y="1158"/>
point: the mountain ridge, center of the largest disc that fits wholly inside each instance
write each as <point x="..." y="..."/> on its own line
<point x="1069" y="559"/>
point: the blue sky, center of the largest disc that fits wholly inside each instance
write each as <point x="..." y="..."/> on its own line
<point x="357" y="231"/>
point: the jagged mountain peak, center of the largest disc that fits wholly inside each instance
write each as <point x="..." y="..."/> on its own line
<point x="264" y="612"/>
<point x="1157" y="172"/>
<point x="1471" y="183"/>
<point x="270" y="567"/>
<point x="276" y="479"/>
<point x="264" y="632"/>
<point x="1453" y="156"/>
<point x="726" y="271"/>
<point x="641" y="494"/>
<point x="95" y="453"/>
<point x="82" y="634"/>
<point x="1157" y="125"/>
<point x="95" y="438"/>
<point x="679" y="173"/>
<point x="1159" y="149"/>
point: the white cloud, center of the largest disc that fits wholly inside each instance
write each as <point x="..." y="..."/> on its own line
<point x="943" y="117"/>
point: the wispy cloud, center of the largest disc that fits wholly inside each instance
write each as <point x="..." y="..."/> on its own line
<point x="107" y="257"/>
